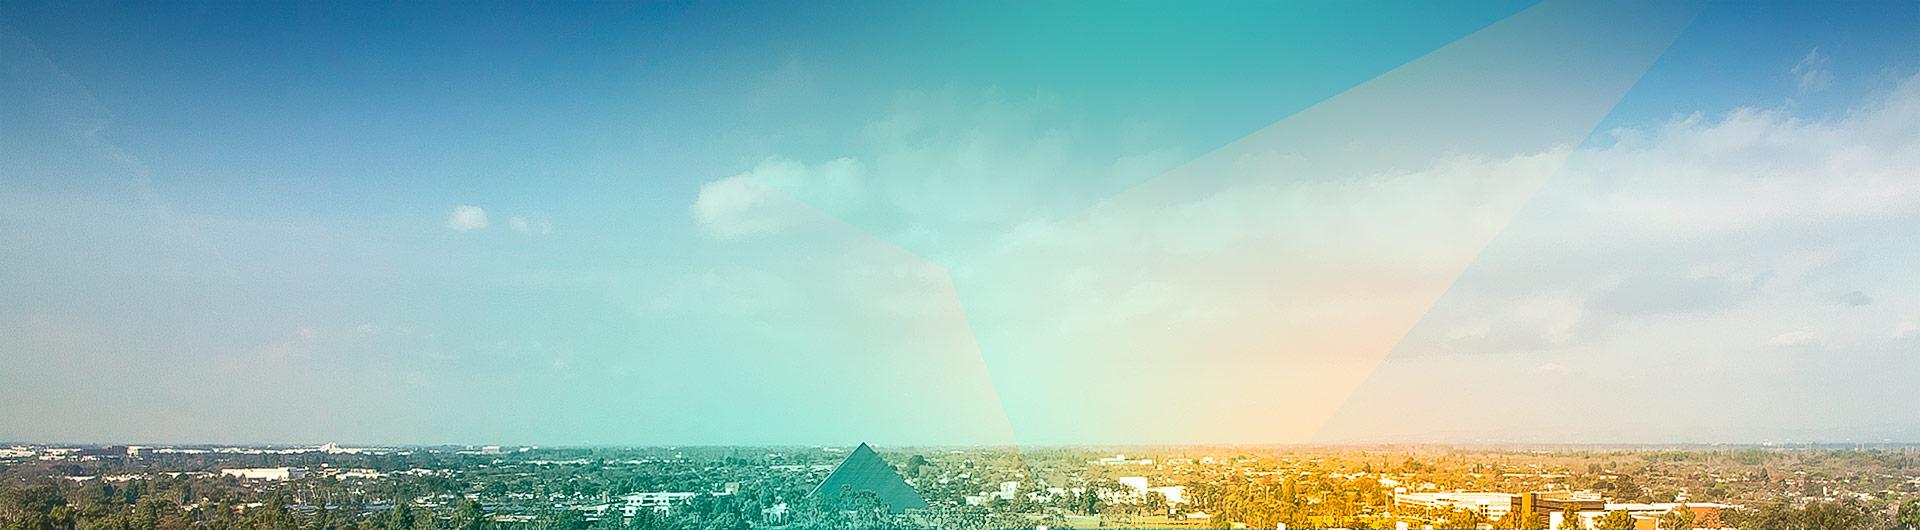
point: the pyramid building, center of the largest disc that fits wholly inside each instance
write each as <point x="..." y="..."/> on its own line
<point x="863" y="470"/>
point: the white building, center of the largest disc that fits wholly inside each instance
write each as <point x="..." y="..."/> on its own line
<point x="1137" y="488"/>
<point x="1120" y="460"/>
<point x="661" y="502"/>
<point x="1488" y="504"/>
<point x="346" y="474"/>
<point x="1008" y="489"/>
<point x="1173" y="494"/>
<point x="775" y="515"/>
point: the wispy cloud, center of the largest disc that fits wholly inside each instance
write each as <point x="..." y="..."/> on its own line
<point x="530" y="225"/>
<point x="1812" y="72"/>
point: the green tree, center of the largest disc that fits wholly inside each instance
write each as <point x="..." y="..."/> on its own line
<point x="1908" y="517"/>
<point x="1679" y="518"/>
<point x="467" y="515"/>
<point x="1847" y="514"/>
<point x="567" y="520"/>
<point x="1614" y="520"/>
<point x="1464" y="519"/>
<point x="400" y="517"/>
<point x="1522" y="520"/>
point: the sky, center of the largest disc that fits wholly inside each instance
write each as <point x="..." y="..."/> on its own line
<point x="952" y="224"/>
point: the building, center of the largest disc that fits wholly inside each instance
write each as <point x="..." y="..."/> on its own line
<point x="1487" y="504"/>
<point x="660" y="502"/>
<point x="1138" y="488"/>
<point x="1558" y="501"/>
<point x="1121" y="460"/>
<point x="1007" y="490"/>
<point x="1175" y="495"/>
<point x="335" y="449"/>
<point x="864" y="472"/>
<point x="1645" y="515"/>
<point x="775" y="515"/>
<point x="264" y="473"/>
<point x="1702" y="511"/>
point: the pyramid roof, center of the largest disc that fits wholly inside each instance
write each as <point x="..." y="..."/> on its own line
<point x="863" y="470"/>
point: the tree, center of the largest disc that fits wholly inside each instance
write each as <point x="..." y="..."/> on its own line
<point x="1154" y="502"/>
<point x="1735" y="518"/>
<point x="1679" y="518"/>
<point x="1614" y="520"/>
<point x="1522" y="520"/>
<point x="725" y="521"/>
<point x="1464" y="519"/>
<point x="568" y="520"/>
<point x="1846" y="514"/>
<point x="468" y="516"/>
<point x="1089" y="503"/>
<point x="643" y="519"/>
<point x="914" y="464"/>
<point x="401" y="517"/>
<point x="1909" y="516"/>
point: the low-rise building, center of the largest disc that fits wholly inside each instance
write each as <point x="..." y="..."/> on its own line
<point x="1488" y="504"/>
<point x="661" y="502"/>
<point x="265" y="473"/>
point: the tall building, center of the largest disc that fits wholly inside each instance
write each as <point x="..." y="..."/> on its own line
<point x="864" y="471"/>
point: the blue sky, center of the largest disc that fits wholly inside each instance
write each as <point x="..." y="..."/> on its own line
<point x="243" y="222"/>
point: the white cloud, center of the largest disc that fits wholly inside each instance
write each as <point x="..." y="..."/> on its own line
<point x="1707" y="246"/>
<point x="1812" y="72"/>
<point x="943" y="170"/>
<point x="1759" y="246"/>
<point x="465" y="218"/>
<point x="757" y="203"/>
<point x="1687" y="246"/>
<point x="1730" y="225"/>
<point x="534" y="226"/>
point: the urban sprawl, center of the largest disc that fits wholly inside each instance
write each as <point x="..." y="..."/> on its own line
<point x="335" y="487"/>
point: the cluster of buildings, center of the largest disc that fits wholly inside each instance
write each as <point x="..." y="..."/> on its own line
<point x="1138" y="488"/>
<point x="265" y="473"/>
<point x="1121" y="460"/>
<point x="657" y="502"/>
<point x="1586" y="508"/>
<point x="96" y="452"/>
